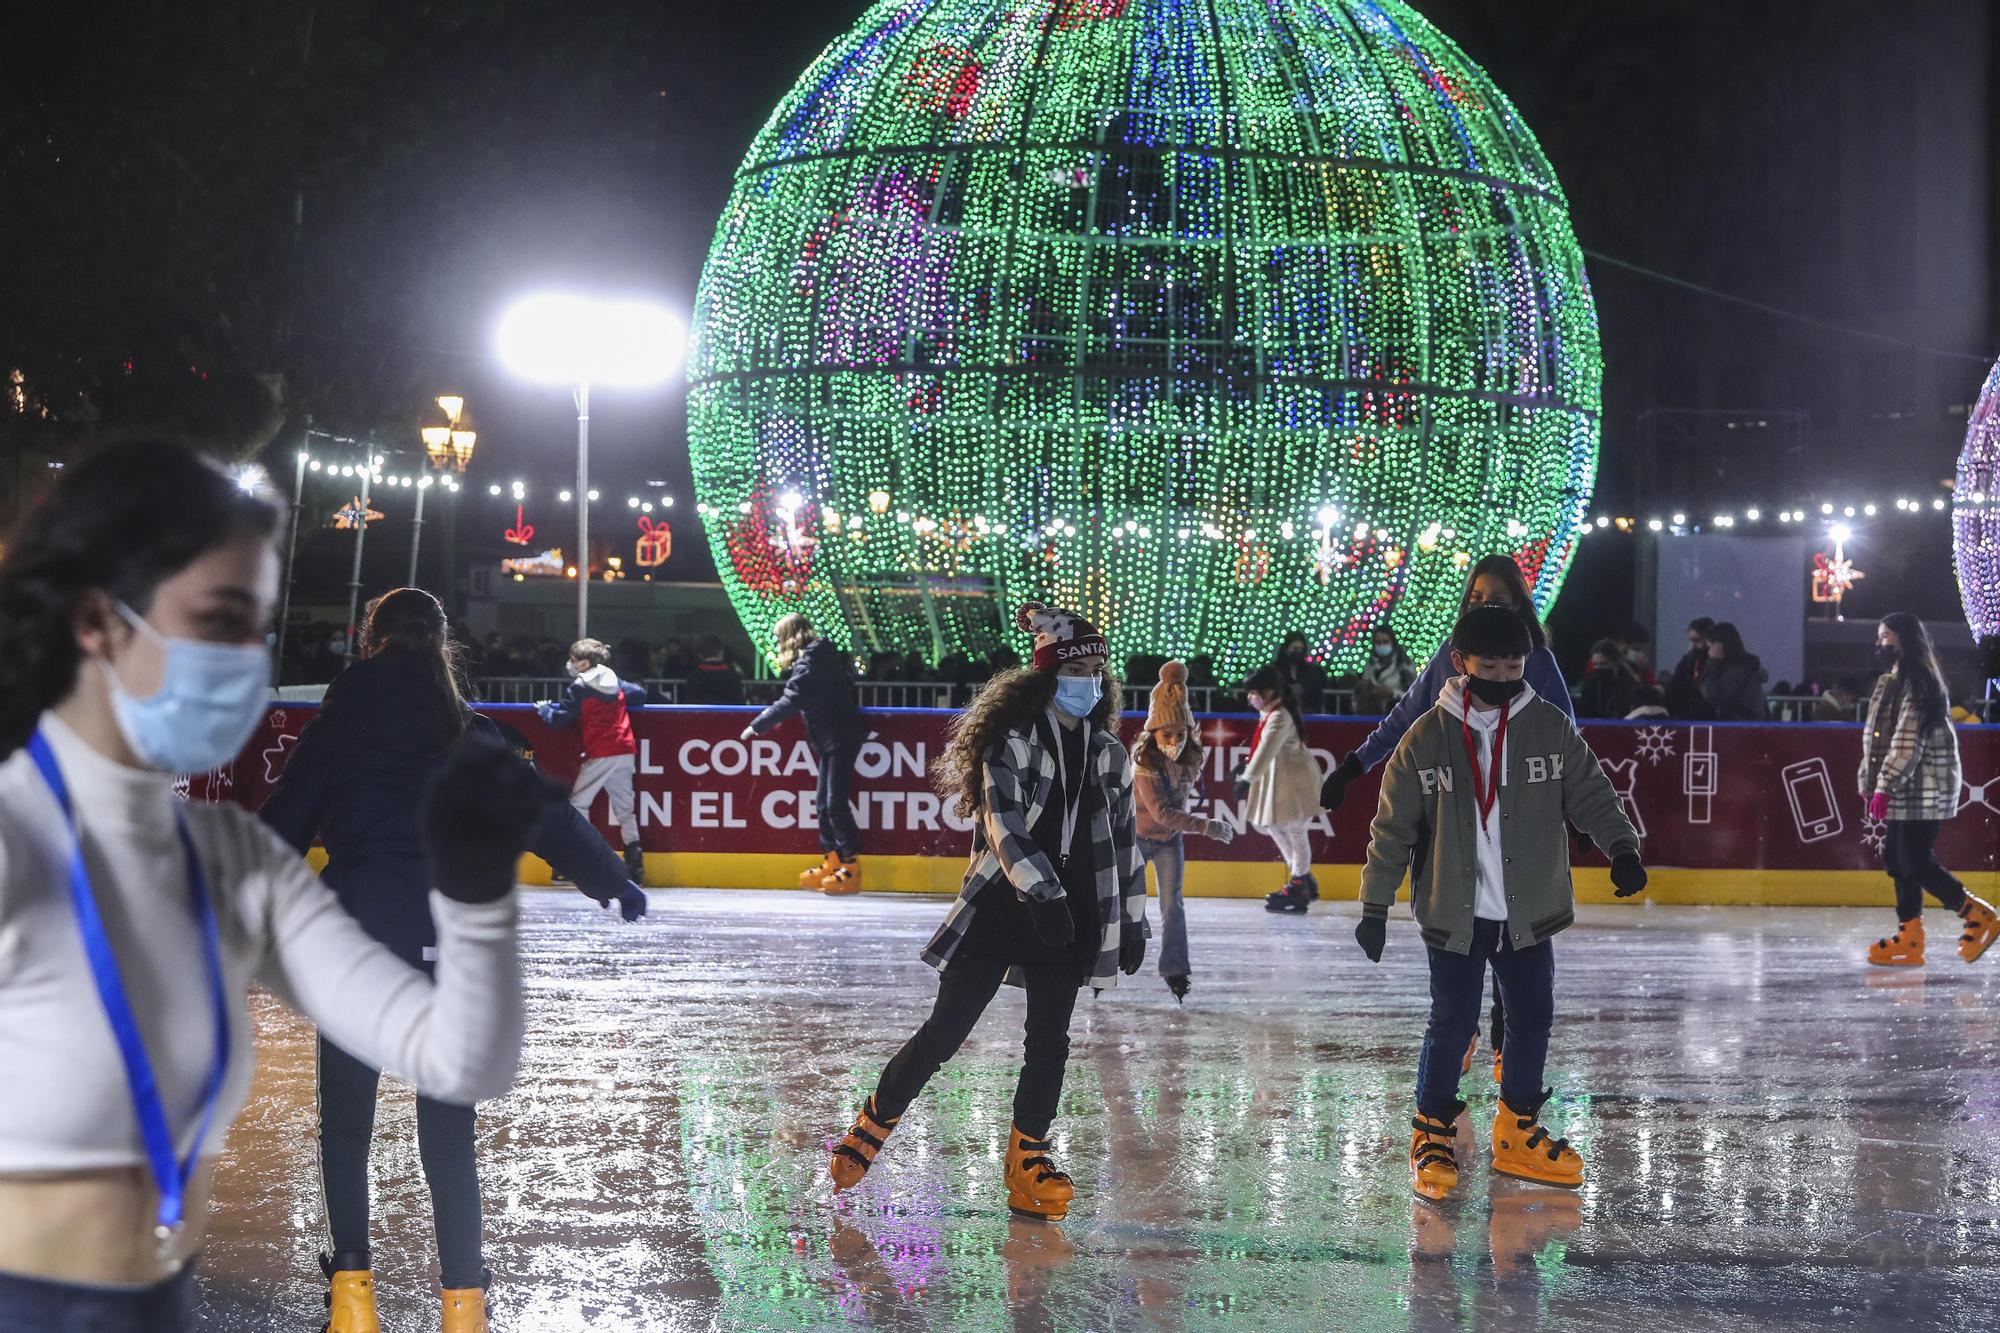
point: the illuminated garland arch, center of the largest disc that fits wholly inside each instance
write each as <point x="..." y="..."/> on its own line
<point x="1212" y="319"/>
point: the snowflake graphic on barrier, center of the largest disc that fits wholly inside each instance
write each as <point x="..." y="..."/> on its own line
<point x="1986" y="794"/>
<point x="1873" y="833"/>
<point x="1656" y="744"/>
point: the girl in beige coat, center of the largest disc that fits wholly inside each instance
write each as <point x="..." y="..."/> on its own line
<point x="1280" y="787"/>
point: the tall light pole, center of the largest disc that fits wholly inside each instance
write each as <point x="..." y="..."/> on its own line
<point x="579" y="341"/>
<point x="367" y="474"/>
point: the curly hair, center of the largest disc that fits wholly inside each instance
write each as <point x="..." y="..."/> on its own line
<point x="1011" y="700"/>
<point x="121" y="522"/>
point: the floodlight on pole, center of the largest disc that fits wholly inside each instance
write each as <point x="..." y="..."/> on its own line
<point x="557" y="338"/>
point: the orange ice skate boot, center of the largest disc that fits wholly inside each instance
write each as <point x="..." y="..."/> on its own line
<point x="1982" y="924"/>
<point x="844" y="878"/>
<point x="350" y="1294"/>
<point x="1034" y="1187"/>
<point x="464" y="1310"/>
<point x="1905" y="948"/>
<point x="1434" y="1153"/>
<point x="813" y="878"/>
<point x="855" y="1153"/>
<point x="1523" y="1149"/>
<point x="1471" y="1049"/>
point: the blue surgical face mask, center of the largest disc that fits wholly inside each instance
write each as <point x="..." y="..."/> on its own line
<point x="1078" y="695"/>
<point x="210" y="699"/>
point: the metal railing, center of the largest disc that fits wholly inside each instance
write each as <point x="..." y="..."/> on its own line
<point x="869" y="693"/>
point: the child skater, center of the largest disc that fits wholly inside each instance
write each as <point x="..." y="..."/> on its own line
<point x="819" y="683"/>
<point x="599" y="704"/>
<point x="1491" y="756"/>
<point x="1495" y="580"/>
<point x="1167" y="772"/>
<point x="1054" y="900"/>
<point x="1911" y="780"/>
<point x="1280" y="784"/>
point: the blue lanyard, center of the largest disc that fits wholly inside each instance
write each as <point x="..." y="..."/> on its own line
<point x="170" y="1174"/>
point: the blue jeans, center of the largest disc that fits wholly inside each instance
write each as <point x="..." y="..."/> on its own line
<point x="1527" y="980"/>
<point x="1169" y="862"/>
<point x="32" y="1305"/>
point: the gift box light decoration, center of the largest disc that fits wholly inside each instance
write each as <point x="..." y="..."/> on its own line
<point x="1975" y="513"/>
<point x="1212" y="319"/>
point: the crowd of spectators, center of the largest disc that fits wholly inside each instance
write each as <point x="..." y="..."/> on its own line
<point x="1715" y="679"/>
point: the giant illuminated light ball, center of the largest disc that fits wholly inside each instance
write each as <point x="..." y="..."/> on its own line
<point x="1208" y="319"/>
<point x="1975" y="514"/>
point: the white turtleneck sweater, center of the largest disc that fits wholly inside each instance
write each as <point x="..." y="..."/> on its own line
<point x="64" y="1101"/>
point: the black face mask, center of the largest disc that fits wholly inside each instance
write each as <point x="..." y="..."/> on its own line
<point x="1886" y="657"/>
<point x="1496" y="692"/>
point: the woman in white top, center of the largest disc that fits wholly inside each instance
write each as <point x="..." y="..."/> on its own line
<point x="133" y="608"/>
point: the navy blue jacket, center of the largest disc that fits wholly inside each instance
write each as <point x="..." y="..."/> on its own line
<point x="356" y="780"/>
<point x="820" y="685"/>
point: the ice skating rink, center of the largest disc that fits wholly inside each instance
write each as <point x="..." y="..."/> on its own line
<point x="1778" y="1137"/>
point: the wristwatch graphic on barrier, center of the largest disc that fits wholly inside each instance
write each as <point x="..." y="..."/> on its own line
<point x="1699" y="772"/>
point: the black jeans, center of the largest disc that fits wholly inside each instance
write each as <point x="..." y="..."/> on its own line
<point x="1909" y="855"/>
<point x="444" y="1143"/>
<point x="1526" y="978"/>
<point x="837" y="832"/>
<point x="32" y="1305"/>
<point x="967" y="986"/>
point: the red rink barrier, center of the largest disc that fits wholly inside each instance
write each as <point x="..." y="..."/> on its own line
<point x="1775" y="802"/>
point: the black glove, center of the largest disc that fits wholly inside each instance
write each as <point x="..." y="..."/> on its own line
<point x="1371" y="933"/>
<point x="1131" y="947"/>
<point x="480" y="807"/>
<point x="1627" y="874"/>
<point x="1334" y="790"/>
<point x="631" y="902"/>
<point x="1242" y="789"/>
<point x="1053" y="921"/>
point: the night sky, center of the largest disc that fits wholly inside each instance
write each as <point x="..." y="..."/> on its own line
<point x="347" y="194"/>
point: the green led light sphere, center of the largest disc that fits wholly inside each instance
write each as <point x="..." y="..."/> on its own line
<point x="1209" y="319"/>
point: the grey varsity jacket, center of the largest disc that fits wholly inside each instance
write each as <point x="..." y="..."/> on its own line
<point x="1426" y="822"/>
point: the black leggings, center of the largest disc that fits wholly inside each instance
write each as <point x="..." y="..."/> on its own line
<point x="967" y="986"/>
<point x="1909" y="855"/>
<point x="444" y="1142"/>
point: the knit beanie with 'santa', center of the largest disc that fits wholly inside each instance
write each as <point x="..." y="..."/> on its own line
<point x="1061" y="636"/>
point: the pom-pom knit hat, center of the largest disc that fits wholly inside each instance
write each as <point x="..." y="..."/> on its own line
<point x="1169" y="704"/>
<point x="1060" y="636"/>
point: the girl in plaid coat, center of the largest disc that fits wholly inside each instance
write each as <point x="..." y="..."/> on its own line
<point x="1054" y="898"/>
<point x="1910" y="778"/>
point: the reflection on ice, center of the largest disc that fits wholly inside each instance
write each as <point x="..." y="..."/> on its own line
<point x="1777" y="1136"/>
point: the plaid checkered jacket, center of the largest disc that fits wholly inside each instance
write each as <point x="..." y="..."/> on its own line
<point x="1018" y="782"/>
<point x="1917" y="766"/>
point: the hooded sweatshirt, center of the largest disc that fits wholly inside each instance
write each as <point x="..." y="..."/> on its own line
<point x="598" y="702"/>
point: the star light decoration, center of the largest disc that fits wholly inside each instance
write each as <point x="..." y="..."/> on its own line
<point x="1211" y="319"/>
<point x="1975" y="513"/>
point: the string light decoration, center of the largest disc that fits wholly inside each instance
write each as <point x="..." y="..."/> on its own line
<point x="1212" y="319"/>
<point x="1975" y="513"/>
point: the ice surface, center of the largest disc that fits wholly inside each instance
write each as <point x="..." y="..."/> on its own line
<point x="1778" y="1137"/>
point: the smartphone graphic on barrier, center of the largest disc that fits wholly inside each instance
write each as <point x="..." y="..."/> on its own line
<point x="1809" y="788"/>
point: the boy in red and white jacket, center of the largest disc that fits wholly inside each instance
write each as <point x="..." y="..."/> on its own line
<point x="599" y="703"/>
